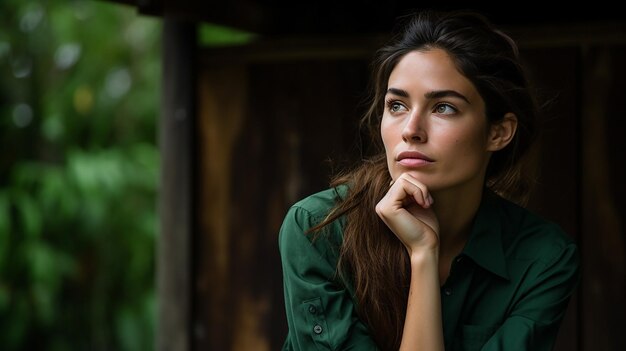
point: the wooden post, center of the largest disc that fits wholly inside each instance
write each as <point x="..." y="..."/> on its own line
<point x="602" y="248"/>
<point x="174" y="252"/>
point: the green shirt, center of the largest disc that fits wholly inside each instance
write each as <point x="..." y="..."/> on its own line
<point x="507" y="290"/>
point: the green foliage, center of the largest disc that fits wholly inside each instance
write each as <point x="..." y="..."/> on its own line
<point x="79" y="87"/>
<point x="210" y="34"/>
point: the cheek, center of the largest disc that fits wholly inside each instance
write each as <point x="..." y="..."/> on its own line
<point x="467" y="143"/>
<point x="474" y="147"/>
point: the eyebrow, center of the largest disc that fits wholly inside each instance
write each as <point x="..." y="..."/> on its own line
<point x="435" y="94"/>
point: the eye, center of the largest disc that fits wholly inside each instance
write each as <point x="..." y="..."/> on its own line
<point x="395" y="106"/>
<point x="445" y="109"/>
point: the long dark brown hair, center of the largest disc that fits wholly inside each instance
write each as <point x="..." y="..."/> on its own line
<point x="372" y="258"/>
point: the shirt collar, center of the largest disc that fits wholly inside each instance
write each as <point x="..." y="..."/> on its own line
<point x="484" y="246"/>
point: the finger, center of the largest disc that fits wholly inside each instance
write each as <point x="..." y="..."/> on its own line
<point x="428" y="198"/>
<point x="417" y="190"/>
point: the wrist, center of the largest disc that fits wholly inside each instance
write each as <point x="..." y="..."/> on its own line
<point x="424" y="256"/>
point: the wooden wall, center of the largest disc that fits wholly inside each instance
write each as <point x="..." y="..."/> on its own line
<point x="271" y="116"/>
<point x="278" y="124"/>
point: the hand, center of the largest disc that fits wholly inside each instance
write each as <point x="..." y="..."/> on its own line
<point x="406" y="210"/>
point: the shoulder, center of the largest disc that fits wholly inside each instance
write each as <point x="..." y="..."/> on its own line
<point x="318" y="205"/>
<point x="305" y="214"/>
<point x="529" y="236"/>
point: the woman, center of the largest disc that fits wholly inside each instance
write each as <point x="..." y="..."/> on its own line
<point x="421" y="246"/>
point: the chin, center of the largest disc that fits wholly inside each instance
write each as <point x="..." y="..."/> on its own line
<point x="426" y="179"/>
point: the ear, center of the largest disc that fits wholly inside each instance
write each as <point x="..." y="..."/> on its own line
<point x="502" y="132"/>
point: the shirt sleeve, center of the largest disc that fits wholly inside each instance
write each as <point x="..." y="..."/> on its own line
<point x="320" y="312"/>
<point x="536" y="317"/>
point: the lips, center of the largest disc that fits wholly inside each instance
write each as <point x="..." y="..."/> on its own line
<point x="413" y="155"/>
<point x="413" y="159"/>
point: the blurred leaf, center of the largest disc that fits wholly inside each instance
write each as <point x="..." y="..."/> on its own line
<point x="29" y="215"/>
<point x="215" y="35"/>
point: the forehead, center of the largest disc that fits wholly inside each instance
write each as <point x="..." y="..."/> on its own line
<point x="430" y="70"/>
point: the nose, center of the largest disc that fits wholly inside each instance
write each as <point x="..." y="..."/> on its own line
<point x="414" y="129"/>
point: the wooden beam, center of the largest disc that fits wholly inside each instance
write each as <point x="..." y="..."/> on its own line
<point x="357" y="17"/>
<point x="174" y="254"/>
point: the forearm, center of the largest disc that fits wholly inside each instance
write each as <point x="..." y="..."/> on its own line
<point x="423" y="325"/>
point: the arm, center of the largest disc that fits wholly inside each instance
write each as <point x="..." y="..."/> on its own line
<point x="422" y="325"/>
<point x="406" y="211"/>
<point x="320" y="313"/>
<point x="534" y="321"/>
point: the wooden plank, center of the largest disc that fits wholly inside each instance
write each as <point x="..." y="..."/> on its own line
<point x="603" y="159"/>
<point x="223" y="95"/>
<point x="175" y="200"/>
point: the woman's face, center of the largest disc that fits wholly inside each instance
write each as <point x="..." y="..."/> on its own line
<point x="434" y="124"/>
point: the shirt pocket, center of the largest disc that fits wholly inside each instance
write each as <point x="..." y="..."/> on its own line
<point x="474" y="337"/>
<point x="316" y="325"/>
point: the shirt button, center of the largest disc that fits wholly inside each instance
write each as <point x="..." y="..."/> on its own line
<point x="317" y="329"/>
<point x="447" y="291"/>
<point x="459" y="259"/>
<point x="312" y="309"/>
